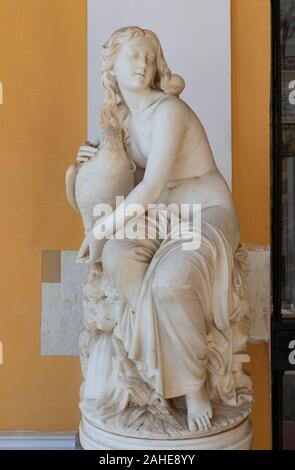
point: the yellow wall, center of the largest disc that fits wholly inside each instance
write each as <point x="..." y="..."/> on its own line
<point x="250" y="115"/>
<point x="251" y="145"/>
<point x="43" y="120"/>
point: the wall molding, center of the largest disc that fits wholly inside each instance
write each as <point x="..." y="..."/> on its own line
<point x="37" y="441"/>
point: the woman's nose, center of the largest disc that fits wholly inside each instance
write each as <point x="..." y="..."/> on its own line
<point x="142" y="61"/>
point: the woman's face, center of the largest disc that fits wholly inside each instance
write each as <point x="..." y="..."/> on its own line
<point x="135" y="65"/>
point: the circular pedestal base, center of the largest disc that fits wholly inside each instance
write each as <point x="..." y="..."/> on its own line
<point x="95" y="438"/>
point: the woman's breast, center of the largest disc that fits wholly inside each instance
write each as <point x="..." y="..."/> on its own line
<point x="136" y="154"/>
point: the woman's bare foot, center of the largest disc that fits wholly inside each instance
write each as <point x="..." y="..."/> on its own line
<point x="199" y="410"/>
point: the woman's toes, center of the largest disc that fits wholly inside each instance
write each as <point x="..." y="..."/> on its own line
<point x="199" y="423"/>
<point x="204" y="423"/>
<point x="192" y="425"/>
<point x="208" y="418"/>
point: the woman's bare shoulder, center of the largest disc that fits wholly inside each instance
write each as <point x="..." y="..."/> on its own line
<point x="171" y="107"/>
<point x="175" y="112"/>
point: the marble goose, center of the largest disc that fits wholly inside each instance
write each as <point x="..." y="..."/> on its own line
<point x="101" y="178"/>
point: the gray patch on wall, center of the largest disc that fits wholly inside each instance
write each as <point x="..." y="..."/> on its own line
<point x="62" y="310"/>
<point x="259" y="294"/>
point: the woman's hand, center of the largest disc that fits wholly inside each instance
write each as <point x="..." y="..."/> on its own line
<point x="91" y="249"/>
<point x="87" y="150"/>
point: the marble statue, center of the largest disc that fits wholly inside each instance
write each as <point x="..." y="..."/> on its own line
<point x="165" y="328"/>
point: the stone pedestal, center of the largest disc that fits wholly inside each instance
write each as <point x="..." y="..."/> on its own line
<point x="238" y="438"/>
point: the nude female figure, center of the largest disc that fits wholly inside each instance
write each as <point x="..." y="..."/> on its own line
<point x="175" y="164"/>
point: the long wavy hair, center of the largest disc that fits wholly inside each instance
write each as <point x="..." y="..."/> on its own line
<point x="115" y="111"/>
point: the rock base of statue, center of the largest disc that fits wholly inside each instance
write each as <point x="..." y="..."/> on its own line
<point x="231" y="429"/>
<point x="94" y="438"/>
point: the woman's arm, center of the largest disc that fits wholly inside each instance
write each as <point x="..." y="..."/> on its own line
<point x="169" y="125"/>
